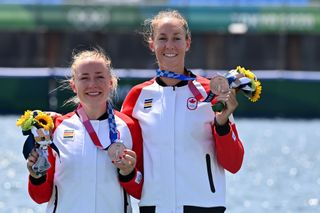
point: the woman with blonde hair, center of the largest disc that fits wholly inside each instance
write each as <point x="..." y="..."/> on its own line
<point x="98" y="145"/>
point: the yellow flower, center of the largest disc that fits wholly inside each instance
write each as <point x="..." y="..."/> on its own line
<point x="256" y="94"/>
<point x="256" y="85"/>
<point x="44" y="121"/>
<point x="41" y="120"/>
<point x="23" y="118"/>
<point x="246" y="73"/>
<point x="25" y="121"/>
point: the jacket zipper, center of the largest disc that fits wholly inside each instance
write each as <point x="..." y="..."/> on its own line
<point x="56" y="200"/>
<point x="213" y="189"/>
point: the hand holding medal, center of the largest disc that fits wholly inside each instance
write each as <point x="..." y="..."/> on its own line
<point x="127" y="163"/>
<point x="239" y="79"/>
<point x="123" y="158"/>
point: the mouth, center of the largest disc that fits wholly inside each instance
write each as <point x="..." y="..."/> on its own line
<point x="93" y="93"/>
<point x="170" y="55"/>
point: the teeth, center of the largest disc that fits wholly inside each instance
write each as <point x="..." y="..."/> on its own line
<point x="170" y="55"/>
<point x="93" y="93"/>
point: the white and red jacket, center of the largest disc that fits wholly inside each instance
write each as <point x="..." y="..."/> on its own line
<point x="83" y="179"/>
<point x="184" y="156"/>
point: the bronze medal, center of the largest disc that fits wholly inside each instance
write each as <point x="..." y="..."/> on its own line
<point x="115" y="151"/>
<point x="219" y="85"/>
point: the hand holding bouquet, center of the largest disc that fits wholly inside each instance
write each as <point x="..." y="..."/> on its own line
<point x="39" y="125"/>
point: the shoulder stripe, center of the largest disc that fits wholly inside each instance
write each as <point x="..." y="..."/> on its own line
<point x="132" y="97"/>
<point x="60" y="119"/>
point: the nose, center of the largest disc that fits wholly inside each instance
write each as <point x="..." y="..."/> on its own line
<point x="92" y="83"/>
<point x="169" y="44"/>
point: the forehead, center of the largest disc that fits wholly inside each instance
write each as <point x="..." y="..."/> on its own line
<point x="169" y="24"/>
<point x="91" y="64"/>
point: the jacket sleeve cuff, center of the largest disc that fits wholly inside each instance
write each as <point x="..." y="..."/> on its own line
<point x="222" y="129"/>
<point x="127" y="178"/>
<point x="38" y="181"/>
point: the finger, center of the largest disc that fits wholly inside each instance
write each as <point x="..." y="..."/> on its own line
<point x="233" y="100"/>
<point x="130" y="153"/>
<point x="31" y="172"/>
<point x="119" y="165"/>
<point x="233" y="91"/>
<point x="32" y="158"/>
<point x="30" y="164"/>
<point x="129" y="161"/>
<point x="223" y="98"/>
<point x="34" y="153"/>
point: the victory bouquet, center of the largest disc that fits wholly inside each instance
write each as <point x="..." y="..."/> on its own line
<point x="38" y="125"/>
<point x="241" y="80"/>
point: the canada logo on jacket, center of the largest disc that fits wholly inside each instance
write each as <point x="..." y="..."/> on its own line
<point x="192" y="103"/>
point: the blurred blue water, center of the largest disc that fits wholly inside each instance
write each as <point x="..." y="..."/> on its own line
<point x="280" y="171"/>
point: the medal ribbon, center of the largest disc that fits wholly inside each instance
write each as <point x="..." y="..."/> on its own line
<point x="192" y="87"/>
<point x="93" y="135"/>
<point x="198" y="95"/>
<point x="169" y="74"/>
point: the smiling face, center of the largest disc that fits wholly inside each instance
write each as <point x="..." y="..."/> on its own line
<point x="170" y="43"/>
<point x="92" y="82"/>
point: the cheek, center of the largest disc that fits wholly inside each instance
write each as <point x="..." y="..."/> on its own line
<point x="105" y="84"/>
<point x="158" y="45"/>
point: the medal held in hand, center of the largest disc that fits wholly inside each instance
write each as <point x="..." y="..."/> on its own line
<point x="116" y="151"/>
<point x="239" y="79"/>
<point x="219" y="85"/>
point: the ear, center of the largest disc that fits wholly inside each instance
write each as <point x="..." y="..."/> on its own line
<point x="111" y="83"/>
<point x="73" y="86"/>
<point x="151" y="45"/>
<point x="188" y="44"/>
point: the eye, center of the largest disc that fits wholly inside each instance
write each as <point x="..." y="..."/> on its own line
<point x="162" y="38"/>
<point x="83" y="78"/>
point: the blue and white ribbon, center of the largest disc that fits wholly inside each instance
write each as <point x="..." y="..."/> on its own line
<point x="170" y="74"/>
<point x="112" y="124"/>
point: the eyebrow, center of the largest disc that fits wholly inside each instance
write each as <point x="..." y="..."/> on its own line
<point x="173" y="34"/>
<point x="87" y="73"/>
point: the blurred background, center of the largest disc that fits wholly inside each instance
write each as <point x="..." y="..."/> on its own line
<point x="279" y="40"/>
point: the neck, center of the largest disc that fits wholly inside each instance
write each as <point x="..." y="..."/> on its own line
<point x="179" y="70"/>
<point x="172" y="81"/>
<point x="94" y="113"/>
